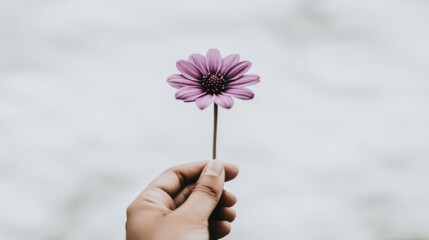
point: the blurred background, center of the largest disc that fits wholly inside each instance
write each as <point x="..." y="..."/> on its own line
<point x="334" y="146"/>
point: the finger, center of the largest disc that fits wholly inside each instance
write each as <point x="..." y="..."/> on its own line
<point x="158" y="194"/>
<point x="178" y="177"/>
<point x="223" y="214"/>
<point x="181" y="197"/>
<point x="219" y="229"/>
<point x="165" y="187"/>
<point x="231" y="171"/>
<point x="227" y="199"/>
<point x="175" y="178"/>
<point x="207" y="191"/>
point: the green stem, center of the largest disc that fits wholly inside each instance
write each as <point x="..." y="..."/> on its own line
<point x="214" y="131"/>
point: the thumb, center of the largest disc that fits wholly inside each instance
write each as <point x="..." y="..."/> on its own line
<point x="207" y="191"/>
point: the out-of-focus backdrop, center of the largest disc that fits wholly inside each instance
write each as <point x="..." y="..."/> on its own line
<point x="334" y="146"/>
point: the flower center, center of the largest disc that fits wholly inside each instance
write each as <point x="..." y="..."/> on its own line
<point x="212" y="83"/>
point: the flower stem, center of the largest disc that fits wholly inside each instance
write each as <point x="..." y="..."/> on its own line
<point x="214" y="131"/>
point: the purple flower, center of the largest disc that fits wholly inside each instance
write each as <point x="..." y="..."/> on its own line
<point x="213" y="79"/>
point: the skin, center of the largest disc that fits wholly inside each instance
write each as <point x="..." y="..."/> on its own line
<point x="186" y="202"/>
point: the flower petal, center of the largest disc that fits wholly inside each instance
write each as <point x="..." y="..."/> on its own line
<point x="194" y="97"/>
<point x="178" y="81"/>
<point x="228" y="62"/>
<point x="204" y="101"/>
<point x="186" y="92"/>
<point x="238" y="70"/>
<point x="245" y="80"/>
<point x="241" y="93"/>
<point x="213" y="60"/>
<point x="199" y="61"/>
<point x="224" y="101"/>
<point x="188" y="69"/>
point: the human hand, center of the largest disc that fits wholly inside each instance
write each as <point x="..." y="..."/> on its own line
<point x="186" y="202"/>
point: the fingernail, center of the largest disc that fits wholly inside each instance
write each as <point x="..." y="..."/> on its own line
<point x="213" y="168"/>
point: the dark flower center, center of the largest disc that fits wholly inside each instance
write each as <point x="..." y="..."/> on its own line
<point x="212" y="83"/>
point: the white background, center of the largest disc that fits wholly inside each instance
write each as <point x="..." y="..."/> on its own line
<point x="334" y="146"/>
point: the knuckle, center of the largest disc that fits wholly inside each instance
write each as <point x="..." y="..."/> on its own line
<point x="170" y="171"/>
<point x="227" y="229"/>
<point x="207" y="188"/>
<point x="232" y="214"/>
<point x="174" y="173"/>
<point x="130" y="210"/>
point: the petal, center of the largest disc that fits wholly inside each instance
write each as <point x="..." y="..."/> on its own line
<point x="199" y="61"/>
<point x="186" y="92"/>
<point x="188" y="69"/>
<point x="228" y="62"/>
<point x="204" y="101"/>
<point x="224" y="101"/>
<point x="178" y="81"/>
<point x="238" y="70"/>
<point x="194" y="97"/>
<point x="241" y="93"/>
<point x="245" y="80"/>
<point x="213" y="60"/>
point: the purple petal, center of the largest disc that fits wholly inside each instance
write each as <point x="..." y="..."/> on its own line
<point x="204" y="101"/>
<point x="241" y="93"/>
<point x="228" y="62"/>
<point x="194" y="97"/>
<point x="213" y="60"/>
<point x="199" y="61"/>
<point x="178" y="81"/>
<point x="245" y="80"/>
<point x="186" y="92"/>
<point x="238" y="70"/>
<point x="188" y="69"/>
<point x="224" y="101"/>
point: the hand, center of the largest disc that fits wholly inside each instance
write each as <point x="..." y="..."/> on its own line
<point x="186" y="202"/>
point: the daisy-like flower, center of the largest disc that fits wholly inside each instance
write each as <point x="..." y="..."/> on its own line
<point x="213" y="79"/>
